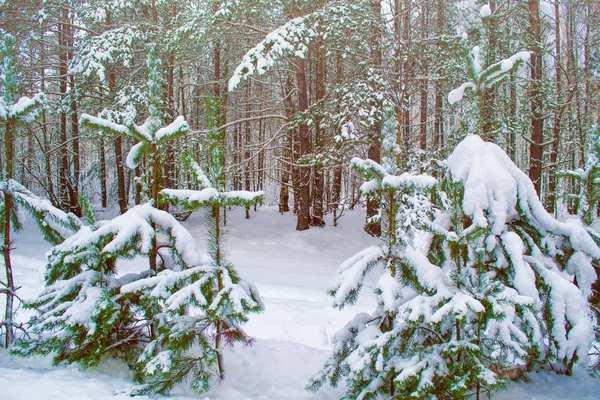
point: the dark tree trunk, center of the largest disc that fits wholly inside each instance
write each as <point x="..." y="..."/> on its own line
<point x="303" y="193"/>
<point x="374" y="151"/>
<point x="63" y="152"/>
<point x="424" y="83"/>
<point x="537" y="123"/>
<point x="247" y="142"/>
<point x="439" y="95"/>
<point x="319" y="182"/>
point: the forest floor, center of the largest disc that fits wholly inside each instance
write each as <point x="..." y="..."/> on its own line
<point x="292" y="271"/>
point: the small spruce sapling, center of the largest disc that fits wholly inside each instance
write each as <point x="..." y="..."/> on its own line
<point x="231" y="298"/>
<point x="586" y="202"/>
<point x="476" y="279"/>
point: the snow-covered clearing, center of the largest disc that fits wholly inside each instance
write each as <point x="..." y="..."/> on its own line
<point x="292" y="271"/>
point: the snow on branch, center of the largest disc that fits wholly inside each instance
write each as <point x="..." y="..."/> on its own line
<point x="106" y="49"/>
<point x="55" y="224"/>
<point x="381" y="180"/>
<point x="350" y="275"/>
<point x="484" y="78"/>
<point x="292" y="38"/>
<point x="26" y="109"/>
<point x="128" y="235"/>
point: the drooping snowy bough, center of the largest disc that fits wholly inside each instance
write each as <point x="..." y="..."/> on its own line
<point x="477" y="280"/>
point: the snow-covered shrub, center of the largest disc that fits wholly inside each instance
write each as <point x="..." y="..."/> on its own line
<point x="475" y="279"/>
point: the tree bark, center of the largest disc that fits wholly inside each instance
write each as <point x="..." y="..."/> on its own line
<point x="103" y="185"/>
<point x="425" y="82"/>
<point x="319" y="180"/>
<point x="374" y="151"/>
<point x="303" y="193"/>
<point x="537" y="123"/>
<point x="63" y="155"/>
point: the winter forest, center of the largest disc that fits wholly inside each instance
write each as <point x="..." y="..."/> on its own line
<point x="302" y="199"/>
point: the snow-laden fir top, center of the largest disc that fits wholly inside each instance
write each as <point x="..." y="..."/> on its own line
<point x="485" y="11"/>
<point x="25" y="108"/>
<point x="495" y="188"/>
<point x="483" y="78"/>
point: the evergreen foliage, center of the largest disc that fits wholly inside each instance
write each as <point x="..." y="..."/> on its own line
<point x="13" y="114"/>
<point x="169" y="322"/>
<point x="151" y="136"/>
<point x="586" y="201"/>
<point x="477" y="279"/>
<point x="234" y="298"/>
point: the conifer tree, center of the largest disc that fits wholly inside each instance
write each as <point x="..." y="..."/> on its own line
<point x="477" y="279"/>
<point x="484" y="75"/>
<point x="54" y="224"/>
<point x="151" y="136"/>
<point x="234" y="297"/>
<point x="167" y="322"/>
<point x="589" y="185"/>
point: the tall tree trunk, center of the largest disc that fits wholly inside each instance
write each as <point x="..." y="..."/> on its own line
<point x="289" y="172"/>
<point x="117" y="141"/>
<point x="374" y="150"/>
<point x="247" y="141"/>
<point x="74" y="187"/>
<point x="45" y="137"/>
<point x="406" y="76"/>
<point x="537" y="123"/>
<point x="487" y="117"/>
<point x="7" y="244"/>
<point x="303" y="192"/>
<point x="439" y="95"/>
<point x="319" y="180"/>
<point x="63" y="154"/>
<point x="551" y="202"/>
<point x="424" y="83"/>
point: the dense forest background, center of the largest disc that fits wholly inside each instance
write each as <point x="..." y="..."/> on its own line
<point x="303" y="86"/>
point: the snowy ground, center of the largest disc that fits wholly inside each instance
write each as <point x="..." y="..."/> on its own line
<point x="292" y="271"/>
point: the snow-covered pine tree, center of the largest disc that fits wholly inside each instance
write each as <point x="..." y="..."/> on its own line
<point x="165" y="322"/>
<point x="484" y="75"/>
<point x="152" y="137"/>
<point x="477" y="280"/>
<point x="54" y="224"/>
<point x="586" y="203"/>
<point x="232" y="298"/>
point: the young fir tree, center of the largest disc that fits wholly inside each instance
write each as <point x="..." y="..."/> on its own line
<point x="152" y="137"/>
<point x="485" y="76"/>
<point x="235" y="298"/>
<point x="476" y="280"/>
<point x="54" y="224"/>
<point x="160" y="321"/>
